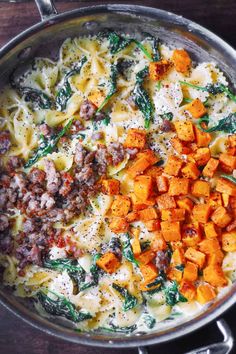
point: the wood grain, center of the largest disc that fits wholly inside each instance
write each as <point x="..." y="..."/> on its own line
<point x="17" y="337"/>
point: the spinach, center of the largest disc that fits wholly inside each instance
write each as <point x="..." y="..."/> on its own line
<point x="230" y="178"/>
<point x="172" y="294"/>
<point x="113" y="87"/>
<point x="117" y="329"/>
<point x="130" y="301"/>
<point x="167" y="115"/>
<point x="116" y="42"/>
<point x="93" y="275"/>
<point x="149" y="321"/>
<point x="180" y="267"/>
<point x="47" y="145"/>
<point x="155" y="44"/>
<point x="226" y="125"/>
<point x="65" y="91"/>
<point x="142" y="99"/>
<point x="62" y="307"/>
<point x="205" y="119"/>
<point x="37" y="96"/>
<point x="160" y="280"/>
<point x="158" y="85"/>
<point x="127" y="250"/>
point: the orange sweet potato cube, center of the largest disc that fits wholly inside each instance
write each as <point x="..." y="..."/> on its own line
<point x="149" y="155"/>
<point x="188" y="290"/>
<point x="120" y="206"/>
<point x="149" y="272"/>
<point x="132" y="216"/>
<point x="181" y="60"/>
<point x="205" y="293"/>
<point x="148" y="214"/>
<point x="221" y="217"/>
<point x="229" y="241"/>
<point x="119" y="225"/>
<point x="201" y="213"/>
<point x="196" y="108"/>
<point x="111" y="186"/>
<point x="136" y="138"/>
<point x="190" y="271"/>
<point x="136" y="247"/>
<point x="143" y="187"/>
<point x="191" y="234"/>
<point x="175" y="274"/>
<point x="146" y="256"/>
<point x="186" y="204"/>
<point x="185" y="130"/>
<point x="173" y="166"/>
<point x="209" y="246"/>
<point x="214" y="275"/>
<point x="210" y="168"/>
<point x="97" y="97"/>
<point x="215" y="258"/>
<point x="171" y="231"/>
<point x="210" y="230"/>
<point x="225" y="186"/>
<point x="215" y="200"/>
<point x="195" y="256"/>
<point x="179" y="146"/>
<point x="173" y="214"/>
<point x="154" y="171"/>
<point x="152" y="225"/>
<point x="162" y="184"/>
<point x="227" y="162"/>
<point x="231" y="145"/>
<point x="190" y="170"/>
<point x="203" y="139"/>
<point x="202" y="156"/>
<point x="177" y="257"/>
<point x="138" y="167"/>
<point x="165" y="201"/>
<point x="201" y="188"/>
<point x="108" y="262"/>
<point x="158" y="69"/>
<point x="178" y="186"/>
<point x="138" y="204"/>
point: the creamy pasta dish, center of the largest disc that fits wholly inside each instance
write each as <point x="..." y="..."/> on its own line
<point x="118" y="184"/>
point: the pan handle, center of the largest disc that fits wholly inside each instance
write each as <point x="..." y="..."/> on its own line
<point x="46" y="8"/>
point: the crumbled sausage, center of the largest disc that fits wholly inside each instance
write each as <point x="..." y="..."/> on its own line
<point x="52" y="177"/>
<point x="5" y="142"/>
<point x="87" y="110"/>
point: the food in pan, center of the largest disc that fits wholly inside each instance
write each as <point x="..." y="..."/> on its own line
<point x="118" y="186"/>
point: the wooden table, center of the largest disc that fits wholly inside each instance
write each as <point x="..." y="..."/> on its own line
<point x="16" y="337"/>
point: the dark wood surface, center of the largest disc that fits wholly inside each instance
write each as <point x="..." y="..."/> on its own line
<point x="17" y="337"/>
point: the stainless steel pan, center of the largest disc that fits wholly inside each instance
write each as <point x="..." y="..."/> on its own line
<point x="44" y="39"/>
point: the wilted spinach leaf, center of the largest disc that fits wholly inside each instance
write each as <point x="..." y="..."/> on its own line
<point x="173" y="295"/>
<point x="149" y="321"/>
<point x="36" y="96"/>
<point x="130" y="301"/>
<point x="226" y="125"/>
<point x="127" y="250"/>
<point x="113" y="87"/>
<point x="230" y="178"/>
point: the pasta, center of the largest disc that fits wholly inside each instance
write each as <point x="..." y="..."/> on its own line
<point x="117" y="185"/>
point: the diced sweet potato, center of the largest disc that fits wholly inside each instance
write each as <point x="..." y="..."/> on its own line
<point x="181" y="60"/>
<point x="188" y="290"/>
<point x="225" y="186"/>
<point x="175" y="274"/>
<point x="154" y="171"/>
<point x="171" y="231"/>
<point x="215" y="258"/>
<point x="148" y="214"/>
<point x="205" y="293"/>
<point x="178" y="186"/>
<point x="119" y="225"/>
<point x="165" y="201"/>
<point x="97" y="97"/>
<point x="186" y="204"/>
<point x="210" y="168"/>
<point x="227" y="162"/>
<point x="231" y="226"/>
<point x="214" y="275"/>
<point x="201" y="213"/>
<point x="209" y="246"/>
<point x="149" y="155"/>
<point x="136" y="138"/>
<point x="158" y="69"/>
<point x="231" y="145"/>
<point x="111" y="186"/>
<point x="202" y="139"/>
<point x="173" y="214"/>
<point x="158" y="243"/>
<point x="196" y="108"/>
<point x="190" y="271"/>
<point x="149" y="272"/>
<point x="138" y="204"/>
<point x="180" y="147"/>
<point x="190" y="170"/>
<point x="177" y="257"/>
<point x="229" y="241"/>
<point x="185" y="130"/>
<point x="136" y="247"/>
<point x="173" y="166"/>
<point x="176" y="245"/>
<point x="143" y="187"/>
<point x="138" y="167"/>
<point x="146" y="256"/>
<point x="108" y="262"/>
<point x="215" y="200"/>
<point x="162" y="184"/>
<point x="210" y="230"/>
<point x="202" y="156"/>
<point x="132" y="216"/>
<point x="201" y="188"/>
<point x="195" y="256"/>
<point x="221" y="217"/>
<point x="225" y="199"/>
<point x="120" y="206"/>
<point x="152" y="225"/>
<point x="191" y="234"/>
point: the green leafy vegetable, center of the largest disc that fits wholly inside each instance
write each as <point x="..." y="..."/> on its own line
<point x="93" y="275"/>
<point x="36" y="96"/>
<point x="160" y="280"/>
<point x="180" y="267"/>
<point x="127" y="250"/>
<point x="113" y="86"/>
<point x="155" y="44"/>
<point x="65" y="91"/>
<point x="130" y="301"/>
<point x="230" y="178"/>
<point x="167" y="115"/>
<point x="62" y="307"/>
<point x="226" y="125"/>
<point x="142" y="99"/>
<point x="149" y="321"/>
<point x="46" y="146"/>
<point x="158" y="85"/>
<point x="116" y="42"/>
<point x="117" y="329"/>
<point x="173" y="295"/>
